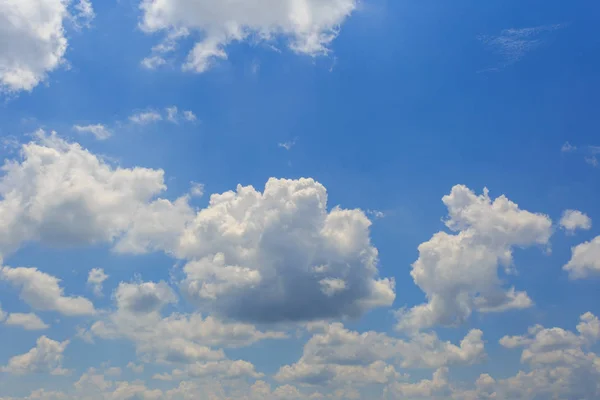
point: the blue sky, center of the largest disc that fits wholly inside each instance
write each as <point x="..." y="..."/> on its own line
<point x="360" y="258"/>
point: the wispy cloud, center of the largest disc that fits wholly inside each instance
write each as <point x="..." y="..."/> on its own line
<point x="99" y="131"/>
<point x="513" y="44"/>
<point x="288" y="145"/>
<point x="170" y="114"/>
<point x="589" y="152"/>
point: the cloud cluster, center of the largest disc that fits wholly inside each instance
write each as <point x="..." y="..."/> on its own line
<point x="46" y="356"/>
<point x="338" y="355"/>
<point x="572" y="220"/>
<point x="310" y="26"/>
<point x="459" y="271"/>
<point x="33" y="40"/>
<point x="585" y="259"/>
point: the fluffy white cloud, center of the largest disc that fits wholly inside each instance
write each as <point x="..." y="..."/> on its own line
<point x="435" y="388"/>
<point x="459" y="272"/>
<point x="96" y="278"/>
<point x="309" y="25"/>
<point x="339" y="355"/>
<point x="62" y="195"/>
<point x="585" y="260"/>
<point x="99" y="131"/>
<point x="46" y="356"/>
<point x="267" y="256"/>
<point x="33" y="40"/>
<point x="29" y="321"/>
<point x="572" y="220"/>
<point x="43" y="292"/>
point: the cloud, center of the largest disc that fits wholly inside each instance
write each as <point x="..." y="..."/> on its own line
<point x="589" y="152"/>
<point x="61" y="195"/>
<point x="436" y="387"/>
<point x="96" y="278"/>
<point x="189" y="116"/>
<point x="263" y="256"/>
<point x="146" y="117"/>
<point x="197" y="189"/>
<point x="144" y="298"/>
<point x="338" y="355"/>
<point x="459" y="272"/>
<point x="568" y="148"/>
<point x="30" y="322"/>
<point x="309" y="27"/>
<point x="42" y="292"/>
<point x="99" y="131"/>
<point x="513" y="44"/>
<point x="573" y="219"/>
<point x="585" y="260"/>
<point x="45" y="357"/>
<point x="34" y="40"/>
<point x="287" y="145"/>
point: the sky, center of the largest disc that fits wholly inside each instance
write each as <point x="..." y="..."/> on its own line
<point x="299" y="199"/>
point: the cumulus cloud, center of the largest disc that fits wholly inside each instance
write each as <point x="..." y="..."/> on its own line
<point x="309" y="26"/>
<point x="264" y="256"/>
<point x="99" y="131"/>
<point x="43" y="292"/>
<point x="573" y="219"/>
<point x="33" y="39"/>
<point x="338" y="355"/>
<point x="436" y="387"/>
<point x="46" y="357"/>
<point x="144" y="298"/>
<point x="96" y="278"/>
<point x="459" y="272"/>
<point x="62" y="195"/>
<point x="29" y="321"/>
<point x="585" y="260"/>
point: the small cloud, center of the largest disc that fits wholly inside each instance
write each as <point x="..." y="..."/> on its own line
<point x="573" y="219"/>
<point x="172" y="114"/>
<point x="84" y="14"/>
<point x="95" y="280"/>
<point x="514" y="44"/>
<point x="138" y="369"/>
<point x="153" y="62"/>
<point x="99" y="131"/>
<point x="197" y="189"/>
<point x="146" y="117"/>
<point x="376" y="214"/>
<point x="288" y="145"/>
<point x="592" y="160"/>
<point x="189" y="116"/>
<point x="568" y="148"/>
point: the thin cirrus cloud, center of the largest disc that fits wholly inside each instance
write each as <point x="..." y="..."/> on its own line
<point x="511" y="45"/>
<point x="170" y="114"/>
<point x="589" y="153"/>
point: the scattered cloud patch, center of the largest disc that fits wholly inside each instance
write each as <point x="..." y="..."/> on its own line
<point x="30" y="322"/>
<point x="572" y="220"/>
<point x="34" y="40"/>
<point x="514" y="44"/>
<point x="145" y="117"/>
<point x="287" y="145"/>
<point x="45" y="357"/>
<point x="99" y="131"/>
<point x="459" y="271"/>
<point x="96" y="278"/>
<point x="585" y="260"/>
<point x="196" y="189"/>
<point x="309" y="27"/>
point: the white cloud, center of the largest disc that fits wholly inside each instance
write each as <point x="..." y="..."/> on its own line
<point x="137" y="368"/>
<point x="42" y="292"/>
<point x="337" y="354"/>
<point x="46" y="356"/>
<point x="262" y="256"/>
<point x="568" y="148"/>
<point x="145" y="117"/>
<point x="189" y="116"/>
<point x="33" y="40"/>
<point x="99" y="131"/>
<point x="513" y="44"/>
<point x="585" y="260"/>
<point x="30" y="322"/>
<point x="144" y="298"/>
<point x="310" y="26"/>
<point x="172" y="113"/>
<point x="573" y="219"/>
<point x="434" y="388"/>
<point x="197" y="189"/>
<point x="62" y="195"/>
<point x="287" y="145"/>
<point x="96" y="278"/>
<point x="3" y="315"/>
<point x="459" y="272"/>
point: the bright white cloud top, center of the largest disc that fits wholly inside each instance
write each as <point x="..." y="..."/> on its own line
<point x="573" y="219"/>
<point x="309" y="26"/>
<point x="33" y="41"/>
